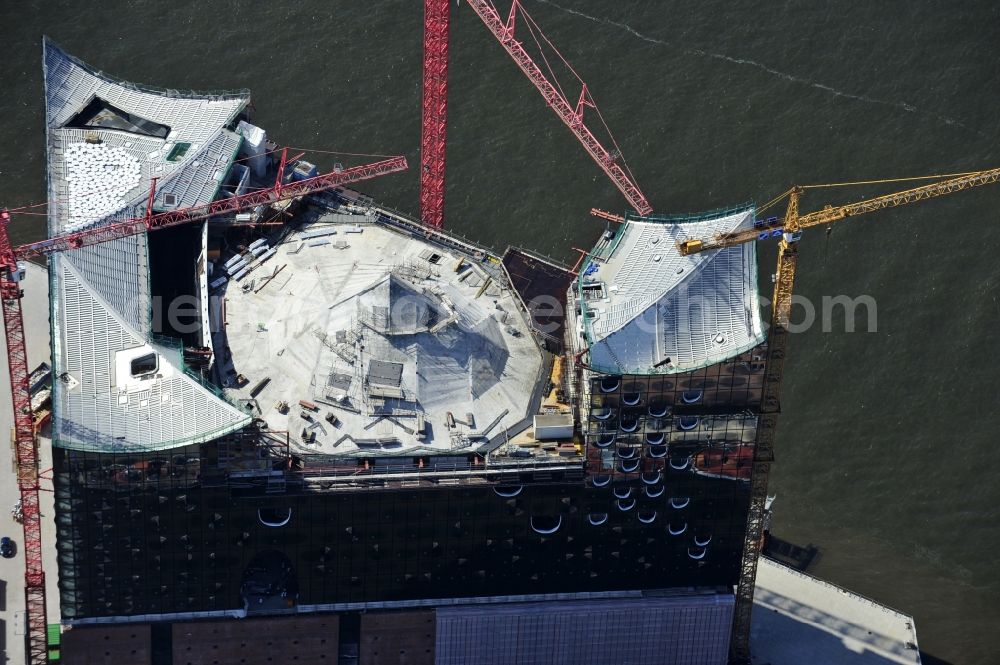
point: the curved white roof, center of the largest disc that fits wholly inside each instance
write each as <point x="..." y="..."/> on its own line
<point x="648" y="309"/>
<point x="101" y="302"/>
<point x="89" y="181"/>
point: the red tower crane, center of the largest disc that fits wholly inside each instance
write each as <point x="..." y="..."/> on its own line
<point x="25" y="447"/>
<point x="17" y="356"/>
<point x="435" y="103"/>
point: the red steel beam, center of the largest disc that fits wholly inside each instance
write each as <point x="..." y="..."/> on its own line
<point x="583" y="254"/>
<point x="434" y="113"/>
<point x="572" y="116"/>
<point x="221" y="207"/>
<point x="25" y="448"/>
<point x="610" y="216"/>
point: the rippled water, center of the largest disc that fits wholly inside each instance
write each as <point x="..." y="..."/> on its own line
<point x="887" y="440"/>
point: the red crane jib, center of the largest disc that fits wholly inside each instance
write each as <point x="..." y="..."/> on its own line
<point x="163" y="220"/>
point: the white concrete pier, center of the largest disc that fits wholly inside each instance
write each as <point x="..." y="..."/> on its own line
<point x="798" y="619"/>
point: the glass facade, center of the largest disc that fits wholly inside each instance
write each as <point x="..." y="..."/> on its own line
<point x="172" y="533"/>
<point x="677" y="451"/>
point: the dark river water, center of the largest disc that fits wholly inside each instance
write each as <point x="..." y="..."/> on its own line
<point x="887" y="441"/>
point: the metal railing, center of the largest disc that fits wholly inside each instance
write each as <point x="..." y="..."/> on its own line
<point x="683" y="218"/>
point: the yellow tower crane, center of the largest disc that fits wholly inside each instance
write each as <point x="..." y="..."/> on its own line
<point x="790" y="229"/>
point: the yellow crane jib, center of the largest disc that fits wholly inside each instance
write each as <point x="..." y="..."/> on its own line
<point x="830" y="214"/>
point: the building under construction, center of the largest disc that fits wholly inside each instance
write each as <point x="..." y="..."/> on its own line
<point x="360" y="416"/>
<point x="288" y="423"/>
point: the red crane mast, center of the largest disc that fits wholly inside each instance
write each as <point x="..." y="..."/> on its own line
<point x="434" y="120"/>
<point x="435" y="105"/>
<point x="25" y="447"/>
<point x="17" y="355"/>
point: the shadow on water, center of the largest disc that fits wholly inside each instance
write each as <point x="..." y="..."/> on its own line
<point x="792" y="555"/>
<point x="927" y="659"/>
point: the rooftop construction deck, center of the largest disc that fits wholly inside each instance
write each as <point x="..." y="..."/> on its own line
<point x="354" y="336"/>
<point x="647" y="309"/>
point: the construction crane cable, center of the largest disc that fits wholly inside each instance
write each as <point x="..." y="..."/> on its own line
<point x="532" y="27"/>
<point x="341" y="152"/>
<point x="777" y="199"/>
<point x="547" y="41"/>
<point x="588" y="98"/>
<point x="243" y="159"/>
<point x="886" y="180"/>
<point x="940" y="176"/>
<point x="503" y="32"/>
<point x="28" y="207"/>
<point x="621" y="155"/>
